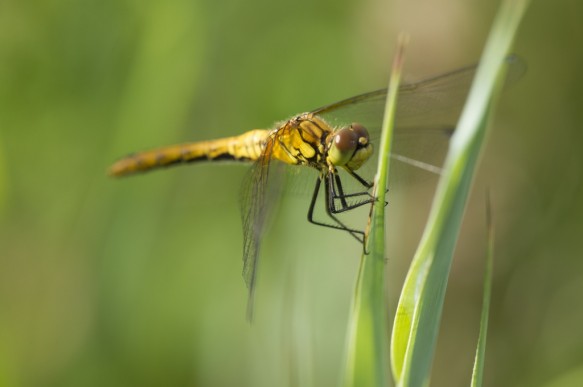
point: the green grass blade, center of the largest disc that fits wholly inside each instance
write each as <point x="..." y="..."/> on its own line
<point x="419" y="309"/>
<point x="367" y="353"/>
<point x="478" y="372"/>
<point x="3" y="176"/>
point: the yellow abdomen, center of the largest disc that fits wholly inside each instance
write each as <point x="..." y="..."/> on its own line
<point x="246" y="147"/>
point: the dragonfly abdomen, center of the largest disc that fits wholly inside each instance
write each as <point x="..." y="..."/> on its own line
<point x="246" y="147"/>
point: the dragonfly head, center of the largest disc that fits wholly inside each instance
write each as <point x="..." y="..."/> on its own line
<point x="350" y="147"/>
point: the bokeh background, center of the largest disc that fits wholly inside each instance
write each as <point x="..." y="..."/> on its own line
<point x="138" y="282"/>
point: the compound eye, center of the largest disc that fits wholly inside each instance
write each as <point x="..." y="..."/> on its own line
<point x="346" y="140"/>
<point x="361" y="133"/>
<point x="343" y="146"/>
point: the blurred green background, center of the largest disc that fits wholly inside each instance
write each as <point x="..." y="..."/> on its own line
<point x="138" y="282"/>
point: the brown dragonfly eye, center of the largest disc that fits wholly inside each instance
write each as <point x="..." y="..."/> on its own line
<point x="363" y="149"/>
<point x="345" y="140"/>
<point x="361" y="132"/>
<point x="343" y="146"/>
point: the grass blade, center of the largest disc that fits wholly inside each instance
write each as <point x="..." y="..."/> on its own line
<point x="368" y="339"/>
<point x="419" y="309"/>
<point x="478" y="372"/>
<point x="3" y="177"/>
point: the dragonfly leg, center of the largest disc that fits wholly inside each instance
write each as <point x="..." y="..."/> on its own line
<point x="362" y="181"/>
<point x="341" y="195"/>
<point x="333" y="181"/>
<point x="340" y="190"/>
<point x="357" y="234"/>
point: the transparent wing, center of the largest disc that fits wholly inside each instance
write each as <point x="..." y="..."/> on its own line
<point x="427" y="111"/>
<point x="257" y="200"/>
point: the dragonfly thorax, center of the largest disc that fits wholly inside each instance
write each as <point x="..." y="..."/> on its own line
<point x="350" y="147"/>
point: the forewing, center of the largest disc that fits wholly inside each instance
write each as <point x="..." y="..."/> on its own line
<point x="256" y="203"/>
<point x="427" y="111"/>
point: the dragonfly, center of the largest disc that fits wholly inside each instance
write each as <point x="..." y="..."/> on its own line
<point x="335" y="141"/>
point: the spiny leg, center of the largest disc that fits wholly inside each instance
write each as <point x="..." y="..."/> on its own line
<point x="333" y="181"/>
<point x="339" y="225"/>
<point x="330" y="205"/>
<point x="363" y="181"/>
<point x="340" y="190"/>
<point x="341" y="195"/>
